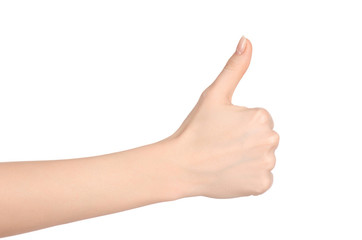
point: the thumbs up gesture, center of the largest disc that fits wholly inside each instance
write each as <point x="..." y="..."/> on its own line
<point x="226" y="150"/>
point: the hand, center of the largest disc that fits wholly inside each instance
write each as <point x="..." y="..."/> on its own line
<point x="220" y="151"/>
<point x="227" y="150"/>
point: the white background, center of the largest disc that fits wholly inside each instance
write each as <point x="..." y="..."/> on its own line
<point x="82" y="78"/>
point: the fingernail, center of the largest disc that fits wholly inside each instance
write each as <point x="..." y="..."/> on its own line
<point x="241" y="46"/>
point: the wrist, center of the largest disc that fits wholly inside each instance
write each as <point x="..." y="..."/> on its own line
<point x="158" y="170"/>
<point x="182" y="182"/>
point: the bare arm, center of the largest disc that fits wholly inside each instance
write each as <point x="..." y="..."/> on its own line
<point x="39" y="194"/>
<point x="220" y="151"/>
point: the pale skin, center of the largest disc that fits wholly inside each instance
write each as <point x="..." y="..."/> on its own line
<point x="220" y="151"/>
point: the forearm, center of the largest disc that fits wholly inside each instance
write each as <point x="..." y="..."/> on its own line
<point x="220" y="151"/>
<point x="39" y="194"/>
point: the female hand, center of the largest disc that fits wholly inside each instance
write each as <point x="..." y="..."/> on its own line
<point x="226" y="150"/>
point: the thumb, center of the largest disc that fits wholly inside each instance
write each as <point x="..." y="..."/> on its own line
<point x="225" y="84"/>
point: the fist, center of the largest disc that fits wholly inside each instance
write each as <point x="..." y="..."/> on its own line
<point x="226" y="150"/>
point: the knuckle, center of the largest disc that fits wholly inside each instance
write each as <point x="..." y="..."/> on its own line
<point x="209" y="94"/>
<point x="231" y="65"/>
<point x="269" y="162"/>
<point x="264" y="183"/>
<point x="273" y="139"/>
<point x="206" y="94"/>
<point x="262" y="115"/>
